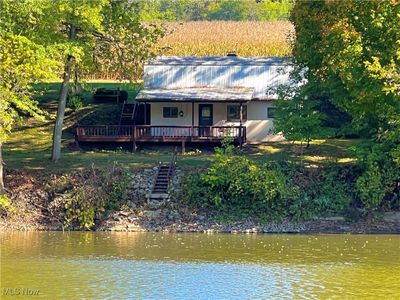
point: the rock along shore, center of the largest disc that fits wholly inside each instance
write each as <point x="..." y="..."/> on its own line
<point x="141" y="215"/>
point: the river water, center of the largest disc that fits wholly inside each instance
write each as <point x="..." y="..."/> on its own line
<point x="79" y="265"/>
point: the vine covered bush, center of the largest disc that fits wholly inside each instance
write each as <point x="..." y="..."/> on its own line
<point x="235" y="183"/>
<point x="239" y="186"/>
<point x="378" y="186"/>
<point x="6" y="206"/>
<point x="86" y="198"/>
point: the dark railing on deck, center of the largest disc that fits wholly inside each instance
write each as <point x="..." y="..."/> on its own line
<point x="149" y="132"/>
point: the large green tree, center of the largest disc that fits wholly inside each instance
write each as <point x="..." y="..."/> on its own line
<point x="350" y="52"/>
<point x="74" y="27"/>
<point x="22" y="62"/>
<point x="42" y="39"/>
<point x="98" y="33"/>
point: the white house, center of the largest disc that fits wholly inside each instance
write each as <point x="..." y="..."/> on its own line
<point x="199" y="99"/>
<point x="209" y="91"/>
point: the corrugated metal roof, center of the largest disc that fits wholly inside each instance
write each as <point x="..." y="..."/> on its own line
<point x="197" y="94"/>
<point x="219" y="61"/>
<point x="218" y="76"/>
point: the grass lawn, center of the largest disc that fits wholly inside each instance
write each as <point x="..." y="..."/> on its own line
<point x="29" y="146"/>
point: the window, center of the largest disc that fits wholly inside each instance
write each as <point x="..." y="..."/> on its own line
<point x="233" y="113"/>
<point x="170" y="112"/>
<point x="271" y="112"/>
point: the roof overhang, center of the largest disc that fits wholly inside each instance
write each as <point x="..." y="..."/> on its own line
<point x="218" y="61"/>
<point x="196" y="94"/>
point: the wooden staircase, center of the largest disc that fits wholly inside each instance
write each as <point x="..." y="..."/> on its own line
<point x="161" y="182"/>
<point x="165" y="174"/>
<point x="128" y="113"/>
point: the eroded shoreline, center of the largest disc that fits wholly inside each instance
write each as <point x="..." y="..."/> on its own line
<point x="33" y="203"/>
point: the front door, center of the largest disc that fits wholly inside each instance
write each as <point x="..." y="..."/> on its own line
<point x="143" y="114"/>
<point x="205" y="119"/>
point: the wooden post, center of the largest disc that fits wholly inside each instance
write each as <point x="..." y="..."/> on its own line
<point x="134" y="139"/>
<point x="241" y="124"/>
<point x="192" y="120"/>
<point x="183" y="147"/>
<point x="76" y="139"/>
<point x="145" y="113"/>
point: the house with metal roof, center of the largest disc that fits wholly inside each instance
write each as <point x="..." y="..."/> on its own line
<point x="204" y="99"/>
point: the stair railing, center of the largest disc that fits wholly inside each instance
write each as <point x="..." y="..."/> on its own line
<point x="156" y="176"/>
<point x="172" y="166"/>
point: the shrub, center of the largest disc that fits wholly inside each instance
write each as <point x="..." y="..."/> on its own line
<point x="5" y="205"/>
<point x="75" y="102"/>
<point x="237" y="184"/>
<point x="87" y="197"/>
<point x="379" y="184"/>
<point x="323" y="191"/>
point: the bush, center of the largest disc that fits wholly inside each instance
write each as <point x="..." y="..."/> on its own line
<point x="5" y="205"/>
<point x="239" y="186"/>
<point x="378" y="186"/>
<point x="88" y="197"/>
<point x="323" y="191"/>
<point x="75" y="102"/>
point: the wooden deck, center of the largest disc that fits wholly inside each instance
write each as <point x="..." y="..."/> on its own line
<point x="151" y="133"/>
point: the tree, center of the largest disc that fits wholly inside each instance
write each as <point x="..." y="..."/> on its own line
<point x="299" y="119"/>
<point x="126" y="42"/>
<point x="350" y="50"/>
<point x="98" y="33"/>
<point x="22" y="63"/>
<point x="74" y="29"/>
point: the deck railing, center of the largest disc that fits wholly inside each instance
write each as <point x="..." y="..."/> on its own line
<point x="104" y="130"/>
<point x="138" y="132"/>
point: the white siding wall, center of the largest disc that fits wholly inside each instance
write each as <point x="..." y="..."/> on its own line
<point x="257" y="124"/>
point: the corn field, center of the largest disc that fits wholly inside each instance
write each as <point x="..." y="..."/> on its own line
<point x="216" y="38"/>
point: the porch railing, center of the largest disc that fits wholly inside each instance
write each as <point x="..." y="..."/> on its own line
<point x="138" y="132"/>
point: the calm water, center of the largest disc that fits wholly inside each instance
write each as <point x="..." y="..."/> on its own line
<point x="198" y="266"/>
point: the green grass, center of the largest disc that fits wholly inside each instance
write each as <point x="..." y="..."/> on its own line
<point x="29" y="146"/>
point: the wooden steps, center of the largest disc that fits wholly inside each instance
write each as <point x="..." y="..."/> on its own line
<point x="162" y="180"/>
<point x="128" y="114"/>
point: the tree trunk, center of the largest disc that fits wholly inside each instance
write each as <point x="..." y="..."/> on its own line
<point x="77" y="88"/>
<point x="2" y="190"/>
<point x="56" y="151"/>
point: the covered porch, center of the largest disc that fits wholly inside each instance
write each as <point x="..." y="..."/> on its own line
<point x="196" y="122"/>
<point x="150" y="133"/>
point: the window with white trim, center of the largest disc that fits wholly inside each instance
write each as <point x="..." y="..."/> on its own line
<point x="170" y="112"/>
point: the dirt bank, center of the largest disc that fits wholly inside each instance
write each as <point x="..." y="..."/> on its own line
<point x="33" y="204"/>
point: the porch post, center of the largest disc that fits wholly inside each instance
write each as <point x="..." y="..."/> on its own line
<point x="145" y="113"/>
<point x="134" y="147"/>
<point x="192" y="119"/>
<point x="183" y="147"/>
<point x="241" y="124"/>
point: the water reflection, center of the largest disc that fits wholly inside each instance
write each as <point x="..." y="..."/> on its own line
<point x="198" y="266"/>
